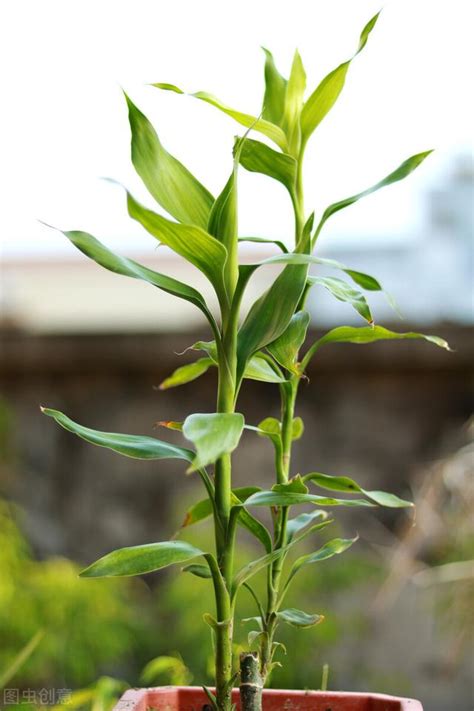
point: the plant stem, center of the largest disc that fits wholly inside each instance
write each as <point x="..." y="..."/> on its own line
<point x="251" y="684"/>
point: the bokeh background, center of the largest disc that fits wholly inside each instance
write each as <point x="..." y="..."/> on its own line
<point x="396" y="416"/>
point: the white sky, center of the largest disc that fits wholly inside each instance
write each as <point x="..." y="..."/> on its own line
<point x="64" y="122"/>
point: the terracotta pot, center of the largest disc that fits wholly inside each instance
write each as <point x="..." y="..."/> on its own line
<point x="190" y="698"/>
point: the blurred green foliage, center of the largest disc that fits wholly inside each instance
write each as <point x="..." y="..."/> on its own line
<point x="88" y="627"/>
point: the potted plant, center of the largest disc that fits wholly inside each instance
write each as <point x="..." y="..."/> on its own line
<point x="267" y="344"/>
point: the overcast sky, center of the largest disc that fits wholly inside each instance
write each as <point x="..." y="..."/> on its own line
<point x="64" y="123"/>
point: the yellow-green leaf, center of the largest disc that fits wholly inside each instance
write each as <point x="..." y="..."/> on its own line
<point x="213" y="435"/>
<point x="138" y="560"/>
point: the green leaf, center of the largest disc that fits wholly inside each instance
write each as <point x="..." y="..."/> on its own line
<point x="276" y="498"/>
<point x="365" y="334"/>
<point x="213" y="435"/>
<point x="100" y="254"/>
<point x="135" y="446"/>
<point x="330" y="549"/>
<point x="189" y="241"/>
<point x="293" y="486"/>
<point x="268" y="129"/>
<point x="19" y="660"/>
<point x="299" y="523"/>
<point x="298" y="618"/>
<point x="403" y="170"/>
<point x="294" y="104"/>
<point x="263" y="240"/>
<point x="258" y="368"/>
<point x="270" y="314"/>
<point x="326" y="94"/>
<point x="200" y="571"/>
<point x="257" y="157"/>
<point x="275" y="91"/>
<point x="187" y="373"/>
<point x="286" y="348"/>
<point x="297" y="428"/>
<point x="203" y="509"/>
<point x="343" y="483"/>
<point x="137" y="560"/>
<point x="344" y="292"/>
<point x="170" y="183"/>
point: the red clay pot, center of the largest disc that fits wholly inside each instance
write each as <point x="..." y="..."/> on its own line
<point x="190" y="698"/>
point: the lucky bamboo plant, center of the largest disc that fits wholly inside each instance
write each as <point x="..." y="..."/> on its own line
<point x="264" y="345"/>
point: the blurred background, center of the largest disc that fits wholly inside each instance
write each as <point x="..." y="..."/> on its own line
<point x="395" y="416"/>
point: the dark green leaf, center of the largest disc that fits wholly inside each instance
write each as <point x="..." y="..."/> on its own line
<point x="259" y="158"/>
<point x="326" y="94"/>
<point x="298" y="618"/>
<point x="258" y="124"/>
<point x="137" y="560"/>
<point x="189" y="241"/>
<point x="170" y="183"/>
<point x="213" y="435"/>
<point x="200" y="571"/>
<point x="286" y="348"/>
<point x="187" y="373"/>
<point x="135" y="446"/>
<point x="330" y="549"/>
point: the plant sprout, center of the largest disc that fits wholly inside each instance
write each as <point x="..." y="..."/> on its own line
<point x="267" y="344"/>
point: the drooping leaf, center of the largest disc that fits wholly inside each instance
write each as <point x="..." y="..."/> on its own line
<point x="99" y="253"/>
<point x="276" y="498"/>
<point x="293" y="105"/>
<point x="344" y="292"/>
<point x="170" y="183"/>
<point x="326" y="94"/>
<point x="187" y="373"/>
<point x="298" y="618"/>
<point x="257" y="157"/>
<point x="365" y="334"/>
<point x="190" y="242"/>
<point x="137" y="560"/>
<point x="263" y="240"/>
<point x="270" y="314"/>
<point x="344" y="483"/>
<point x="299" y="523"/>
<point x="200" y="571"/>
<point x="213" y="435"/>
<point x="258" y="124"/>
<point x="403" y="170"/>
<point x="135" y="446"/>
<point x="275" y="91"/>
<point x="286" y="348"/>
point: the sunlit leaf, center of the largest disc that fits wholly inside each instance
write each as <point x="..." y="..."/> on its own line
<point x="276" y="498"/>
<point x="258" y="124"/>
<point x="187" y="373"/>
<point x="297" y="428"/>
<point x="190" y="242"/>
<point x="293" y="104"/>
<point x="326" y="94"/>
<point x="135" y="446"/>
<point x="170" y="183"/>
<point x="298" y="618"/>
<point x="275" y="91"/>
<point x="137" y="560"/>
<point x="213" y="435"/>
<point x="258" y="368"/>
<point x="257" y="157"/>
